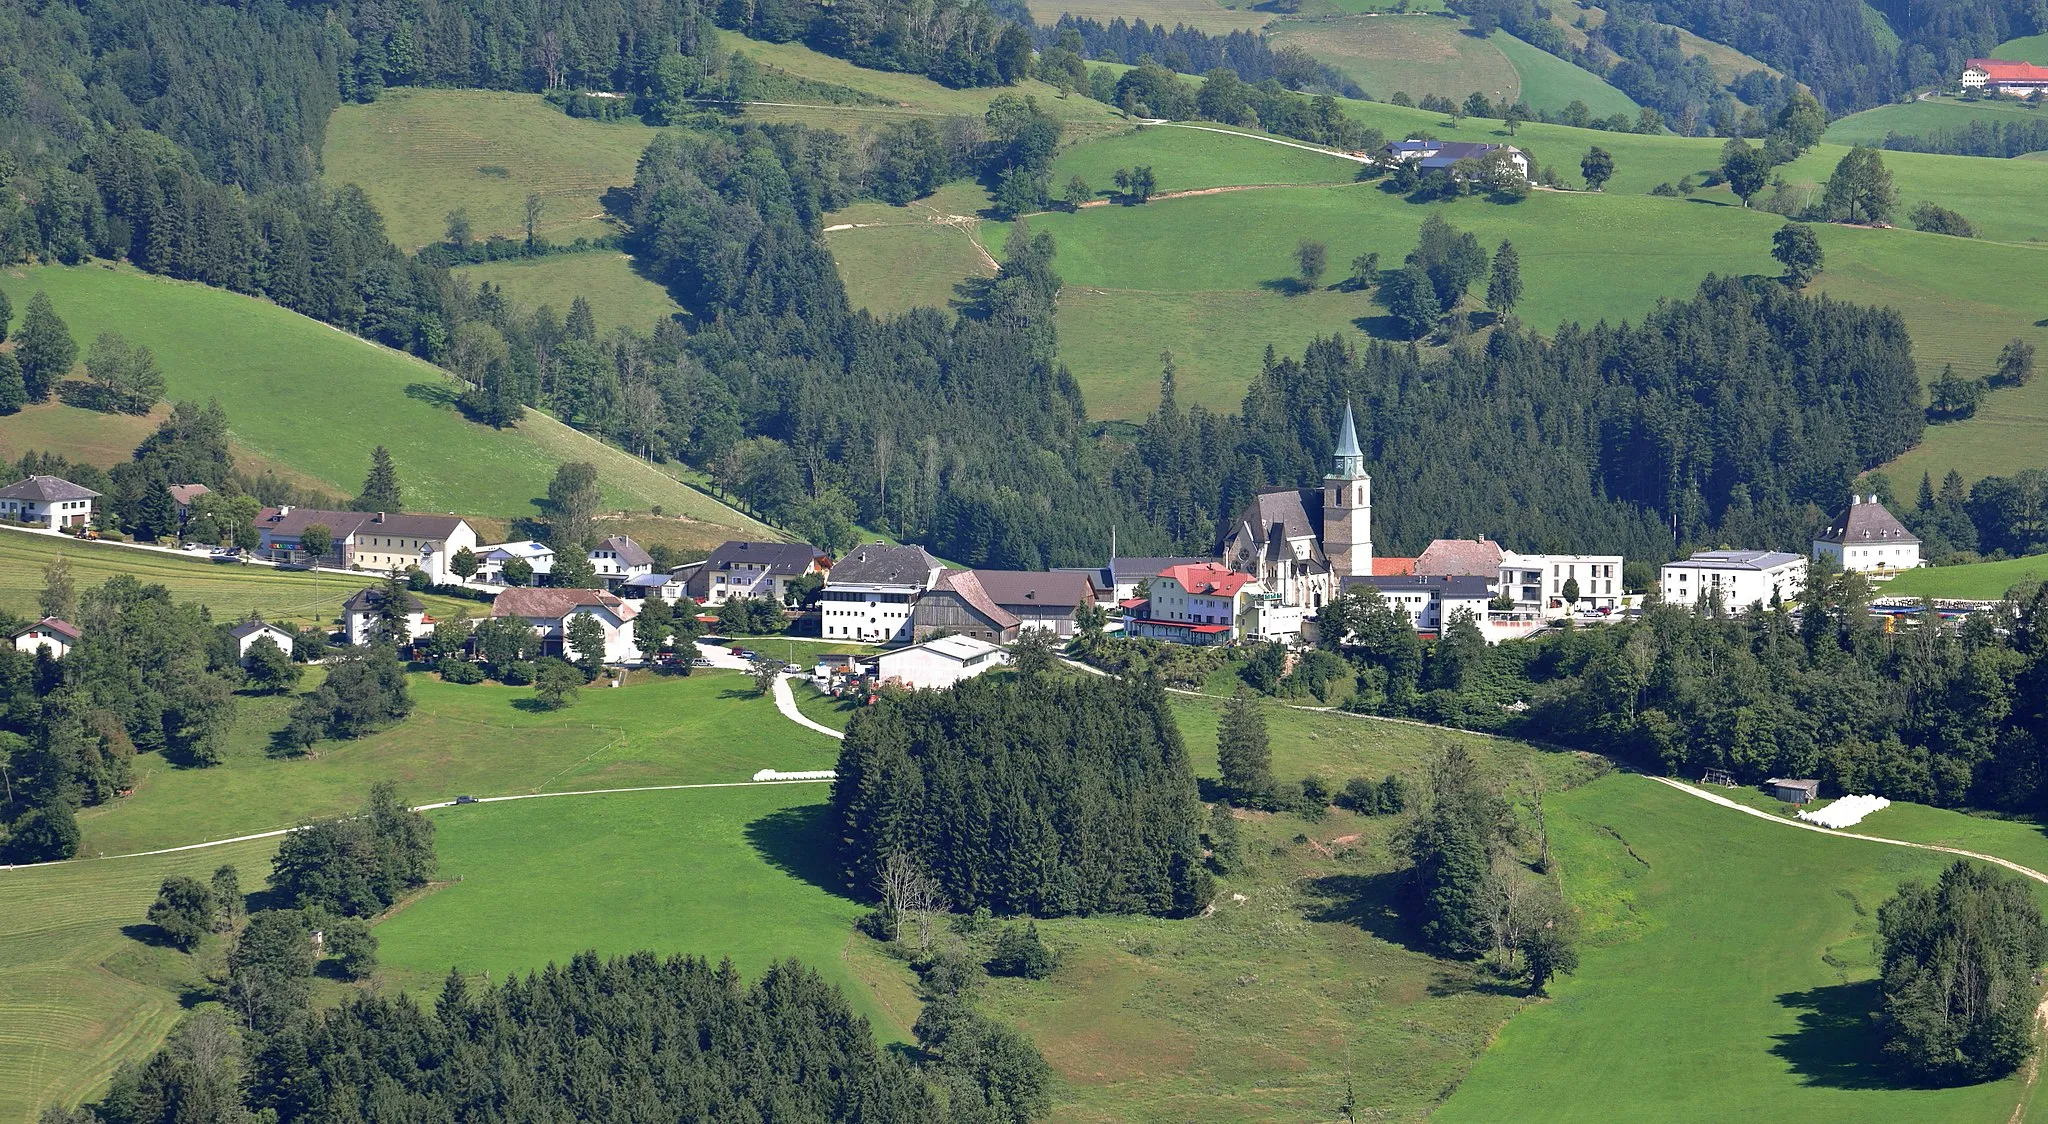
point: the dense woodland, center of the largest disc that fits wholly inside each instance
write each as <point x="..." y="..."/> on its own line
<point x="1048" y="794"/>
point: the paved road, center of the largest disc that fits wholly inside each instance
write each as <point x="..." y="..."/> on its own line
<point x="785" y="701"/>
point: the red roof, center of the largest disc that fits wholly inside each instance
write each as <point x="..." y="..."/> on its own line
<point x="1207" y="578"/>
<point x="1392" y="567"/>
<point x="1999" y="70"/>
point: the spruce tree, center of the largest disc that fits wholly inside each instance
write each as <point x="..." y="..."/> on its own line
<point x="1504" y="288"/>
<point x="1226" y="851"/>
<point x="581" y="325"/>
<point x="45" y="348"/>
<point x="1243" y="752"/>
<point x="13" y="392"/>
<point x="6" y="315"/>
<point x="380" y="487"/>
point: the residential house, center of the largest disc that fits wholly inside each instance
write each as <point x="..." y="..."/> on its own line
<point x="1460" y="558"/>
<point x="549" y="611"/>
<point x="1121" y="579"/>
<point x="1740" y="578"/>
<point x="739" y="568"/>
<point x="1040" y="600"/>
<point x="359" y="615"/>
<point x="1430" y="154"/>
<point x="959" y="604"/>
<point x="869" y="594"/>
<point x="245" y="636"/>
<point x="48" y="501"/>
<point x="663" y="586"/>
<point x="1536" y="582"/>
<point x="619" y="558"/>
<point x="1200" y="603"/>
<point x="183" y="495"/>
<point x="1299" y="542"/>
<point x="2021" y="79"/>
<point x="491" y="559"/>
<point x="1868" y="539"/>
<point x="51" y="633"/>
<point x="1433" y="601"/>
<point x="938" y="663"/>
<point x="383" y="542"/>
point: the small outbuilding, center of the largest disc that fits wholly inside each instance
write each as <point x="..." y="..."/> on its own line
<point x="59" y="636"/>
<point x="939" y="662"/>
<point x="1792" y="792"/>
<point x="247" y="634"/>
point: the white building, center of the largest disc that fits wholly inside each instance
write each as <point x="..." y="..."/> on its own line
<point x="1207" y="603"/>
<point x="1430" y="154"/>
<point x="1868" y="539"/>
<point x="47" y="501"/>
<point x="58" y="636"/>
<point x="939" y="662"/>
<point x="1536" y="582"/>
<point x="869" y="593"/>
<point x="1742" y="578"/>
<point x="619" y="558"/>
<point x="1432" y="600"/>
<point x="550" y="612"/>
<point x="246" y="635"/>
<point x="491" y="559"/>
<point x="380" y="541"/>
<point x="360" y="612"/>
<point x="743" y="569"/>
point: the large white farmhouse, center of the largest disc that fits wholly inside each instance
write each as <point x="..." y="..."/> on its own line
<point x="1868" y="539"/>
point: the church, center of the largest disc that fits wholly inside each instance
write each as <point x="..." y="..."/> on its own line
<point x="1300" y="543"/>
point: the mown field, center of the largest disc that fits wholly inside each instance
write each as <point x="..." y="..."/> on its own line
<point x="1727" y="973"/>
<point x="1203" y="15"/>
<point x="2031" y="48"/>
<point x="230" y="591"/>
<point x="1422" y="54"/>
<point x="1921" y="117"/>
<point x="419" y="154"/>
<point x="1981" y="581"/>
<point x="619" y="296"/>
<point x="316" y="400"/>
<point x="893" y="259"/>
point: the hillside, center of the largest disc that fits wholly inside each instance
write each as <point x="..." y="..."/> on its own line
<point x="1980" y="581"/>
<point x="618" y="296"/>
<point x="1420" y="54"/>
<point x="419" y="154"/>
<point x="1920" y="118"/>
<point x="316" y="400"/>
<point x="1203" y="15"/>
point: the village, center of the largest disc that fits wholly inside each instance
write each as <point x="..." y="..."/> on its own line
<point x="1288" y="554"/>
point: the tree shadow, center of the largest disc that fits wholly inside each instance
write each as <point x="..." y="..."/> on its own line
<point x="145" y="933"/>
<point x="798" y="842"/>
<point x="1836" y="1044"/>
<point x="191" y="997"/>
<point x="617" y="202"/>
<point x="1369" y="901"/>
<point x="438" y="395"/>
<point x="1383" y="326"/>
<point x="533" y="705"/>
<point x="970" y="295"/>
<point x="282" y="747"/>
<point x="82" y="395"/>
<point x="1287" y="286"/>
<point x="1475" y="981"/>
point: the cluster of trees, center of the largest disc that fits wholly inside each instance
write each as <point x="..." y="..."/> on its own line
<point x="356" y="866"/>
<point x="1997" y="517"/>
<point x="1151" y="90"/>
<point x="1441" y="270"/>
<point x="2002" y="139"/>
<point x="1246" y="54"/>
<point x="364" y="691"/>
<point x="1046" y="794"/>
<point x="1961" y="960"/>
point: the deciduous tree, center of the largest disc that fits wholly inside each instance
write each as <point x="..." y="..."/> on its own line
<point x="1597" y="166"/>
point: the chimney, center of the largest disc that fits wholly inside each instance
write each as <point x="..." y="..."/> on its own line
<point x="284" y="510"/>
<point x="379" y="519"/>
<point x="1855" y="499"/>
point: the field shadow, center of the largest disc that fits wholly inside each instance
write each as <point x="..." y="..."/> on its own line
<point x="441" y="396"/>
<point x="144" y="932"/>
<point x="1836" y="1044"/>
<point x="1287" y="286"/>
<point x="798" y="842"/>
<point x="1368" y="901"/>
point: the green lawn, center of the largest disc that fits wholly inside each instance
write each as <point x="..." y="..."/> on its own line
<point x="1551" y="83"/>
<point x="2032" y="48"/>
<point x="713" y="873"/>
<point x="230" y="590"/>
<point x="618" y="296"/>
<point x="1726" y="974"/>
<point x="315" y="399"/>
<point x="419" y="154"/>
<point x="1981" y="581"/>
<point x="1921" y="117"/>
<point x="464" y="740"/>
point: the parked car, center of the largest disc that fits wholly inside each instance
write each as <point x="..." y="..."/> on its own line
<point x="465" y="800"/>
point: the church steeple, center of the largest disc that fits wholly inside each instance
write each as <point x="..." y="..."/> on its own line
<point x="1350" y="461"/>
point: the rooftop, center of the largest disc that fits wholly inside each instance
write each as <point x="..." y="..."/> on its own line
<point x="788" y="558"/>
<point x="1444" y="585"/>
<point x="1059" y="589"/>
<point x="961" y="648"/>
<point x="527" y="549"/>
<point x="1867" y="521"/>
<point x="967" y="585"/>
<point x="1739" y="559"/>
<point x="58" y="625"/>
<point x="2003" y="70"/>
<point x="184" y="494"/>
<point x="251" y="628"/>
<point x="46" y="489"/>
<point x="366" y="600"/>
<point x="882" y="564"/>
<point x="553" y="604"/>
<point x="291" y="522"/>
<point x="1210" y="579"/>
<point x="1465" y="557"/>
<point x="627" y="551"/>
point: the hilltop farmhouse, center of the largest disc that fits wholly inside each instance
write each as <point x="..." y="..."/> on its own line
<point x="1868" y="539"/>
<point x="2021" y="79"/>
<point x="1429" y="154"/>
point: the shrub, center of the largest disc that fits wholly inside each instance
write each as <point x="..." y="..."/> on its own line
<point x="1020" y="952"/>
<point x="455" y="670"/>
<point x="518" y="673"/>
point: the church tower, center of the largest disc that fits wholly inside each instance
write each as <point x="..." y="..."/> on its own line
<point x="1347" y="507"/>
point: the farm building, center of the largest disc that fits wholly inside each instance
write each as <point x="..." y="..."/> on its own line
<point x="59" y="636"/>
<point x="1791" y="791"/>
<point x="2022" y="79"/>
<point x="939" y="663"/>
<point x="958" y="605"/>
<point x="1430" y="154"/>
<point x="247" y="634"/>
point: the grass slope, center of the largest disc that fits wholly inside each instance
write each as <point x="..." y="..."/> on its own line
<point x="1921" y="117"/>
<point x="2031" y="48"/>
<point x="476" y="740"/>
<point x="1416" y="55"/>
<point x="1981" y="581"/>
<point x="419" y="154"/>
<point x="1551" y="83"/>
<point x="1727" y="974"/>
<point x="618" y="295"/>
<point x="893" y="259"/>
<point x="316" y="399"/>
<point x="78" y="994"/>
<point x="1203" y="15"/>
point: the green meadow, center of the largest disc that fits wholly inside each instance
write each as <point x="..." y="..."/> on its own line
<point x="316" y="400"/>
<point x="2031" y="48"/>
<point x="1420" y="54"/>
<point x="1727" y="973"/>
<point x="1203" y="15"/>
<point x="419" y="154"/>
<point x="1979" y="581"/>
<point x="1921" y="117"/>
<point x="1551" y="83"/>
<point x="619" y="296"/>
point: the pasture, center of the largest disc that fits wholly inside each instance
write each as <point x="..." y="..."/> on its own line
<point x="315" y="400"/>
<point x="893" y="259"/>
<point x="1920" y="118"/>
<point x="480" y="740"/>
<point x="1979" y="581"/>
<point x="1727" y="972"/>
<point x="619" y="296"/>
<point x="1551" y="83"/>
<point x="2031" y="48"/>
<point x="419" y="154"/>
<point x="230" y="591"/>
<point x="1202" y="15"/>
<point x="1412" y="54"/>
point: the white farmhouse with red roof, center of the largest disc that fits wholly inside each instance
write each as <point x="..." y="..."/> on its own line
<point x="2022" y="79"/>
<point x="1200" y="603"/>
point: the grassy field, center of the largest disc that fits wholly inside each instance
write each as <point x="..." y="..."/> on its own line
<point x="893" y="259"/>
<point x="316" y="400"/>
<point x="85" y="435"/>
<point x="419" y="154"/>
<point x="1982" y="581"/>
<point x="1921" y="117"/>
<point x="230" y="591"/>
<point x="619" y="297"/>
<point x="1727" y="974"/>
<point x="1203" y="15"/>
<point x="464" y="740"/>
<point x="1551" y="83"/>
<point x="1416" y="55"/>
<point x="80" y="992"/>
<point x="2031" y="48"/>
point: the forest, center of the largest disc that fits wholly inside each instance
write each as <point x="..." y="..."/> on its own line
<point x="1050" y="794"/>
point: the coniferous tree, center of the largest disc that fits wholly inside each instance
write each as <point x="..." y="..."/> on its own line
<point x="226" y="887"/>
<point x="380" y="487"/>
<point x="1243" y="753"/>
<point x="1226" y="851"/>
<point x="1451" y="845"/>
<point x="13" y="391"/>
<point x="1504" y="286"/>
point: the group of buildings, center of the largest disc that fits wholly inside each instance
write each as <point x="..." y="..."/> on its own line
<point x="2019" y="79"/>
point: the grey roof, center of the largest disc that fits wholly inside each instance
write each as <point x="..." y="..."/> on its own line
<point x="366" y="600"/>
<point x="629" y="552"/>
<point x="1867" y="521"/>
<point x="1444" y="585"/>
<point x="1139" y="569"/>
<point x="786" y="558"/>
<point x="1064" y="590"/>
<point x="882" y="564"/>
<point x="1266" y="525"/>
<point x="46" y="489"/>
<point x="251" y="628"/>
<point x="291" y="523"/>
<point x="1780" y="782"/>
<point x="1739" y="559"/>
<point x="648" y="581"/>
<point x="1450" y="557"/>
<point x="1347" y="437"/>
